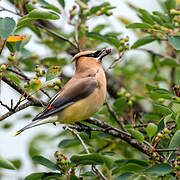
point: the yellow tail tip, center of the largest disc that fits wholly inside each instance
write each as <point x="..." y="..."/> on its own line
<point x="17" y="133"/>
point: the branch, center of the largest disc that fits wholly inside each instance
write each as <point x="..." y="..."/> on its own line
<point x="21" y="91"/>
<point x="21" y="74"/>
<point x="57" y="35"/>
<point x="122" y="135"/>
<point x="86" y="149"/>
<point x="167" y="150"/>
<point x="115" y="116"/>
<point x="19" y="108"/>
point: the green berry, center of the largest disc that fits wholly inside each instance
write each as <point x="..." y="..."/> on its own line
<point x="56" y="87"/>
<point x="178" y="157"/>
<point x="126" y="39"/>
<point x="3" y="67"/>
<point x="1" y="74"/>
<point x="167" y="131"/>
<point x="133" y="99"/>
<point x="58" y="82"/>
<point x="37" y="70"/>
<point x="50" y="84"/>
<point x="26" y="85"/>
<point x="128" y="95"/>
<point x="160" y="135"/>
<point x="130" y="103"/>
<point x="35" y="77"/>
<point x="161" y="100"/>
<point x="177" y="166"/>
<point x="11" y="58"/>
<point x="98" y="13"/>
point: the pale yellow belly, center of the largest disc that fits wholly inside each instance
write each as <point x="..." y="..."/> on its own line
<point x="82" y="109"/>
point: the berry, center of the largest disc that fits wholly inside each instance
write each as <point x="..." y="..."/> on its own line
<point x="58" y="82"/>
<point x="11" y="58"/>
<point x="56" y="87"/>
<point x="160" y="135"/>
<point x="26" y="85"/>
<point x="128" y="95"/>
<point x="3" y="67"/>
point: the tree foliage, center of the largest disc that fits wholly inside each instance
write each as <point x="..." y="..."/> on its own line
<point x="135" y="135"/>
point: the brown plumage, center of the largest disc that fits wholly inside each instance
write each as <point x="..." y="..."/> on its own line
<point x="82" y="95"/>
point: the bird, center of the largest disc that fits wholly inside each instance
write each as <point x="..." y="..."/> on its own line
<point x="81" y="97"/>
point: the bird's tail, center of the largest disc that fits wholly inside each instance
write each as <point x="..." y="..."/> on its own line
<point x="37" y="123"/>
<point x="30" y="125"/>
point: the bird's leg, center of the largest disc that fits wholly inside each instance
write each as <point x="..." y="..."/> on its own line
<point x="85" y="128"/>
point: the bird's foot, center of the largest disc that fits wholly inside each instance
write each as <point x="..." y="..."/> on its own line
<point x="84" y="128"/>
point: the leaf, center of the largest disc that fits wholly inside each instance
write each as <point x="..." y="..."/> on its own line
<point x="43" y="176"/>
<point x="151" y="129"/>
<point x="119" y="105"/>
<point x="97" y="36"/>
<point x="66" y="143"/>
<point x="169" y="62"/>
<point x="174" y="41"/>
<point x="143" y="41"/>
<point x="41" y="14"/>
<point x="178" y="120"/>
<point x="7" y="26"/>
<point x="93" y="158"/>
<point x="175" y="141"/>
<point x="139" y="25"/>
<point x="124" y="176"/>
<point x="136" y="134"/>
<point x="45" y="162"/>
<point x="163" y="109"/>
<point x="47" y="5"/>
<point x="53" y="72"/>
<point x="88" y="174"/>
<point x="16" y="38"/>
<point x="6" y="164"/>
<point x="13" y="78"/>
<point x="146" y="16"/>
<point x="11" y="46"/>
<point x="160" y="169"/>
<point x="170" y="4"/>
<point x="62" y="3"/>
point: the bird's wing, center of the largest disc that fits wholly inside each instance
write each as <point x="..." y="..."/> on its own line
<point x="74" y="90"/>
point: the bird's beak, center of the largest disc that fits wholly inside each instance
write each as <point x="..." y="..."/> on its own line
<point x="103" y="53"/>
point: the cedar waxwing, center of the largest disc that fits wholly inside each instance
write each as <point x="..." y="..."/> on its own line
<point x="81" y="97"/>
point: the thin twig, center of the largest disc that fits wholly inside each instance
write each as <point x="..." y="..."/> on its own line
<point x="86" y="149"/>
<point x="15" y="13"/>
<point x="115" y="116"/>
<point x="19" y="108"/>
<point x="3" y="45"/>
<point x="115" y="61"/>
<point x="21" y="74"/>
<point x="6" y="106"/>
<point x="57" y="35"/>
<point x="167" y="150"/>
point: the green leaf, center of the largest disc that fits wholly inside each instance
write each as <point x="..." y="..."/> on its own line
<point x="160" y="93"/>
<point x="146" y="16"/>
<point x="170" y="4"/>
<point x="151" y="129"/>
<point x="62" y="3"/>
<point x="47" y="5"/>
<point x="119" y="105"/>
<point x="11" y="46"/>
<point x="41" y="14"/>
<point x="160" y="169"/>
<point x="13" y="78"/>
<point x="7" y="26"/>
<point x="136" y="134"/>
<point x="178" y="120"/>
<point x="169" y="62"/>
<point x="53" y="72"/>
<point x="174" y="41"/>
<point x="6" y="164"/>
<point x="97" y="36"/>
<point x="88" y="174"/>
<point x="93" y="158"/>
<point x="175" y="141"/>
<point x="35" y="176"/>
<point x="43" y="176"/>
<point x="66" y="143"/>
<point x="139" y="25"/>
<point x="45" y="162"/>
<point x="124" y="176"/>
<point x="99" y="28"/>
<point x="143" y="41"/>
<point x="163" y="109"/>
